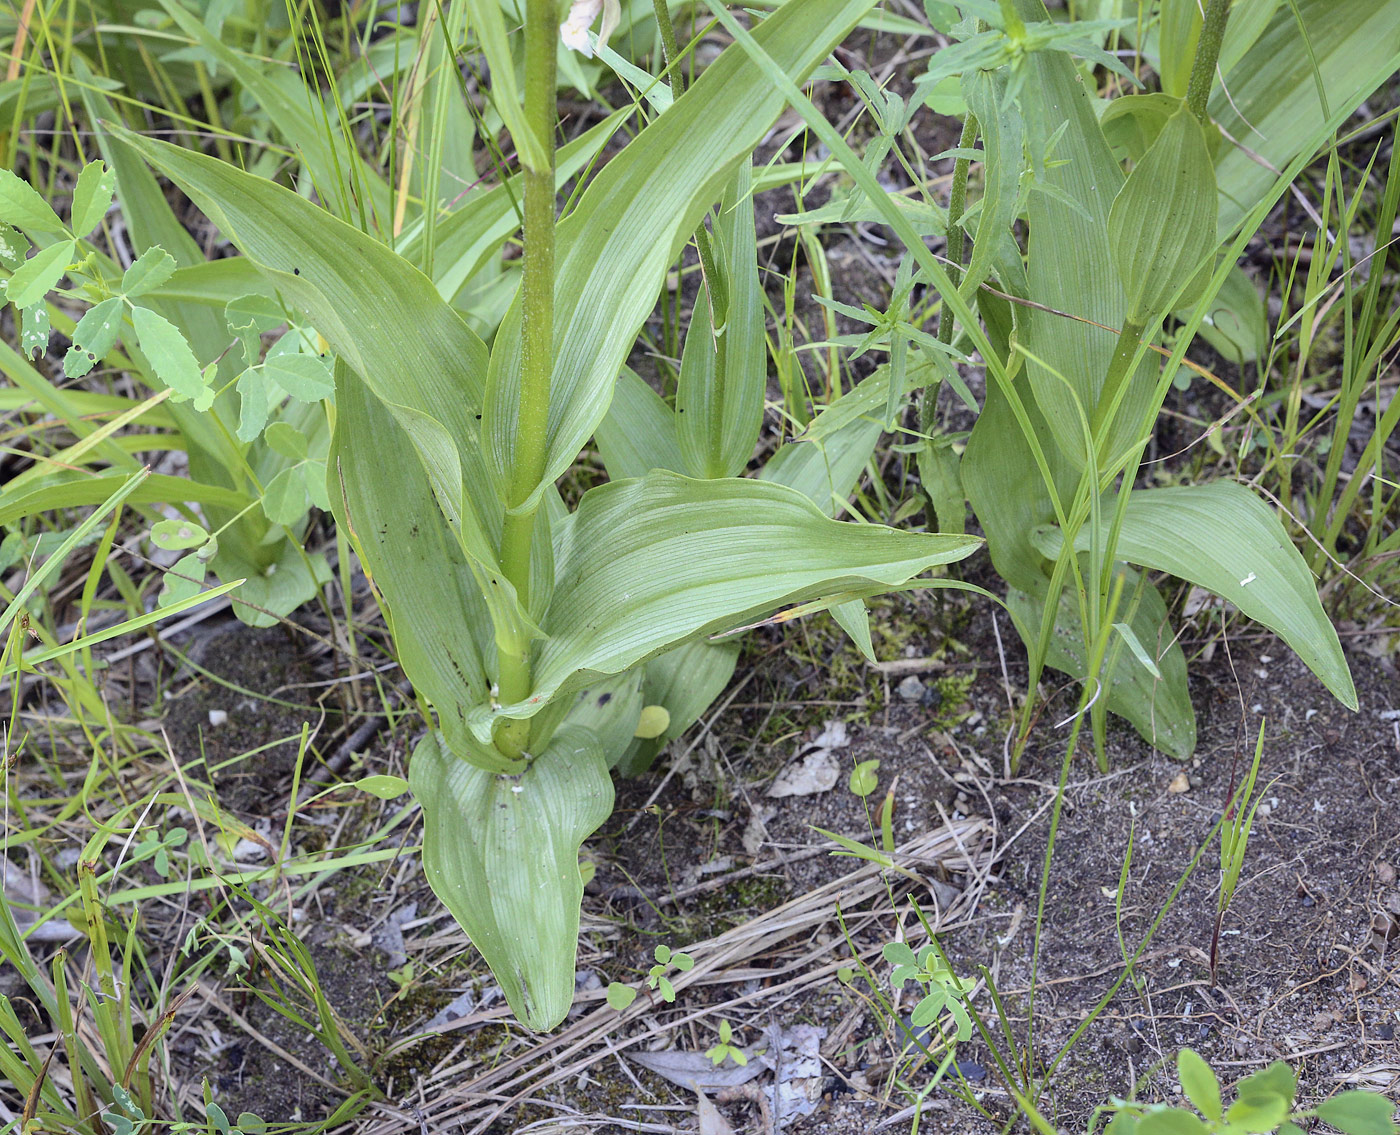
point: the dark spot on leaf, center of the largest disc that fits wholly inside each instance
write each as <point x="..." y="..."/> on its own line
<point x="603" y="700"/>
<point x="296" y="271"/>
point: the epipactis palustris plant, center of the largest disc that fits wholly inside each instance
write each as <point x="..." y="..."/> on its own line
<point x="527" y="627"/>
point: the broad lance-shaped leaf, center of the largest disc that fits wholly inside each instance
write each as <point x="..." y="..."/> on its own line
<point x="718" y="416"/>
<point x="1069" y="254"/>
<point x="384" y="319"/>
<point x="615" y="249"/>
<point x="645" y="565"/>
<point x="501" y="852"/>
<point x="1224" y="538"/>
<point x="441" y="629"/>
<point x="333" y="166"/>
<point x="1162" y="224"/>
<point x="1158" y="708"/>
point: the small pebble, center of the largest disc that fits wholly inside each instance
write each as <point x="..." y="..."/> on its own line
<point x="1386" y="1032"/>
<point x="1180" y="783"/>
<point x="218" y="717"/>
<point x="911" y="689"/>
<point x="1385" y="873"/>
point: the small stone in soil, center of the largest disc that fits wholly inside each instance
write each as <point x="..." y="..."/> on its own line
<point x="911" y="689"/>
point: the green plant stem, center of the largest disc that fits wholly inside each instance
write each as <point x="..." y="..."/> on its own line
<point x="957" y="205"/>
<point x="670" y="47"/>
<point x="1207" y="55"/>
<point x="1119" y="368"/>
<point x="536" y="355"/>
<point x="957" y="239"/>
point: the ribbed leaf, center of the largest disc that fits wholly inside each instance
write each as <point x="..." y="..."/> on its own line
<point x="1270" y="100"/>
<point x="476" y="229"/>
<point x="1224" y="538"/>
<point x="999" y="123"/>
<point x="385" y="320"/>
<point x="1162" y="224"/>
<point x="686" y="681"/>
<point x="1069" y="254"/>
<point x="1158" y="708"/>
<point x="344" y="181"/>
<point x="614" y="250"/>
<point x="639" y="432"/>
<point x="489" y="28"/>
<point x="442" y="630"/>
<point x="718" y="416"/>
<point x="670" y="558"/>
<point x="501" y="852"/>
<point x="1180" y="28"/>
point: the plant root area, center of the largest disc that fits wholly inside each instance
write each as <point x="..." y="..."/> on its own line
<point x="785" y="932"/>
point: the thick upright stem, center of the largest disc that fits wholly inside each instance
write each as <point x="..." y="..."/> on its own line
<point x="536" y="354"/>
<point x="1207" y="55"/>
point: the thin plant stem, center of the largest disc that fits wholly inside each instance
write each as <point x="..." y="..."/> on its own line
<point x="536" y="355"/>
<point x="957" y="205"/>
<point x="1207" y="55"/>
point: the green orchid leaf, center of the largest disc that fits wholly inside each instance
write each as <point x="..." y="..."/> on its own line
<point x="441" y="627"/>
<point x="1162" y="224"/>
<point x="614" y="250"/>
<point x="1236" y="325"/>
<point x="639" y="432"/>
<point x="1159" y="708"/>
<point x="672" y="559"/>
<point x="718" y="415"/>
<point x="685" y="681"/>
<point x="344" y="180"/>
<point x="1224" y="538"/>
<point x="1269" y="100"/>
<point x="999" y="122"/>
<point x="501" y="852"/>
